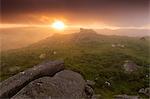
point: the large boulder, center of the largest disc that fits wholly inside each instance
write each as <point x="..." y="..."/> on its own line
<point x="12" y="85"/>
<point x="65" y="84"/>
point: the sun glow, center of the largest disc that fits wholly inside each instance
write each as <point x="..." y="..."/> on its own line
<point x="59" y="25"/>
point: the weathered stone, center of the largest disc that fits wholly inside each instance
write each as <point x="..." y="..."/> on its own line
<point x="82" y="30"/>
<point x="113" y="45"/>
<point x="145" y="91"/>
<point x="130" y="66"/>
<point x="142" y="90"/>
<point x="90" y="83"/>
<point x="107" y="83"/>
<point x="54" y="53"/>
<point x="42" y="56"/>
<point x="64" y="85"/>
<point x="125" y="97"/>
<point x="12" y="85"/>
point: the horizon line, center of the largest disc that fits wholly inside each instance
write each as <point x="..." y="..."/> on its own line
<point x="7" y="26"/>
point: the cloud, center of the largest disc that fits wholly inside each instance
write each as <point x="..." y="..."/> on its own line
<point x="112" y="12"/>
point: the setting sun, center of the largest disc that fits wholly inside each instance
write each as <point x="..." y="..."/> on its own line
<point x="59" y="25"/>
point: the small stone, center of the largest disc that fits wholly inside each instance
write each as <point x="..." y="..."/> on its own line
<point x="147" y="76"/>
<point x="122" y="46"/>
<point x="96" y="78"/>
<point x="22" y="72"/>
<point x="125" y="97"/>
<point x="142" y="90"/>
<point x="42" y="56"/>
<point x="130" y="66"/>
<point x="147" y="91"/>
<point x="108" y="83"/>
<point x="54" y="52"/>
<point x="90" y="83"/>
<point x="113" y="45"/>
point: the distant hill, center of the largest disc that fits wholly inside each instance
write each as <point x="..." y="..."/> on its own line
<point x="99" y="58"/>
<point x="14" y="38"/>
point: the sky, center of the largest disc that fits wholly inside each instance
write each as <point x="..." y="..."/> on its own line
<point x="119" y="13"/>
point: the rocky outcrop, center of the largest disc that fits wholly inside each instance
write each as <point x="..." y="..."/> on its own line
<point x="82" y="30"/>
<point x="65" y="84"/>
<point x="12" y="85"/>
<point x="46" y="81"/>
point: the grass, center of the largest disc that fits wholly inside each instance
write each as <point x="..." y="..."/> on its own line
<point x="92" y="55"/>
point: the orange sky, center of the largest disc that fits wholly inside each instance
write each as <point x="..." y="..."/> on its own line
<point x="76" y="13"/>
<point x="24" y="22"/>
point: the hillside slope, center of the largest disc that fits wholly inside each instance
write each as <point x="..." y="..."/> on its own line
<point x="97" y="57"/>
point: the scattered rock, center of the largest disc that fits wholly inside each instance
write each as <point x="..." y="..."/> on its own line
<point x="96" y="78"/>
<point x="146" y="76"/>
<point x="130" y="66"/>
<point x="142" y="90"/>
<point x="108" y="83"/>
<point x="118" y="45"/>
<point x="122" y="46"/>
<point x="113" y="45"/>
<point x="145" y="91"/>
<point x="42" y="56"/>
<point x="54" y="52"/>
<point x="126" y="97"/>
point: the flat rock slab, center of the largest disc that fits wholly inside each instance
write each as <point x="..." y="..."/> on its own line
<point x="65" y="84"/>
<point x="12" y="85"/>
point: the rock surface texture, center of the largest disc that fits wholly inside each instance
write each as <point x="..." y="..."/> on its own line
<point x="65" y="84"/>
<point x="12" y="85"/>
<point x="46" y="81"/>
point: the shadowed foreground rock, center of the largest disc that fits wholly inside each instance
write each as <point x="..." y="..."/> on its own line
<point x="64" y="85"/>
<point x="12" y="85"/>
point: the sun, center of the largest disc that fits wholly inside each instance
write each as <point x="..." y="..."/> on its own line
<point x="59" y="25"/>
